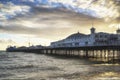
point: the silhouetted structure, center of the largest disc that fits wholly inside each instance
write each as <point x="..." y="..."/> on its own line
<point x="96" y="45"/>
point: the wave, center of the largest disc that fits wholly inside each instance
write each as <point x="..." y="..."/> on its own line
<point x="18" y="67"/>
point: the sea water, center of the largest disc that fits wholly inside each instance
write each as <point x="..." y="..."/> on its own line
<point x="30" y="66"/>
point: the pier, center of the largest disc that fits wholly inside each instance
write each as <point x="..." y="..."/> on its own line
<point x="96" y="45"/>
<point x="106" y="53"/>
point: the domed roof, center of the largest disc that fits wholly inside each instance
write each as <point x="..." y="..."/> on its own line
<point x="76" y="36"/>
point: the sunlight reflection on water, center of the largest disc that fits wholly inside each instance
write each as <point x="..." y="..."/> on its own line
<point x="107" y="76"/>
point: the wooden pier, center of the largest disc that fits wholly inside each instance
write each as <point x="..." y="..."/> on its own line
<point x="97" y="52"/>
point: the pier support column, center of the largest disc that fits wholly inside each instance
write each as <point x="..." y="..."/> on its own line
<point x="69" y="52"/>
<point x="86" y="52"/>
<point x="78" y="53"/>
<point x="51" y="51"/>
<point x="118" y="56"/>
<point x="66" y="52"/>
<point x="104" y="54"/>
<point x="95" y="52"/>
<point x="92" y="53"/>
<point x="113" y="55"/>
<point x="101" y="54"/>
<point x="47" y="51"/>
<point x="108" y="55"/>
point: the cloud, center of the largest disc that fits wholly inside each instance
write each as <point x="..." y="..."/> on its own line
<point x="44" y="18"/>
<point x="12" y="10"/>
<point x="107" y="9"/>
<point x="51" y="20"/>
<point x="48" y="22"/>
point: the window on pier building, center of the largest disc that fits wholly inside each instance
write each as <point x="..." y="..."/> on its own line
<point x="96" y="36"/>
<point x="101" y="36"/>
<point x="86" y="43"/>
<point x="76" y="44"/>
<point x="106" y="36"/>
<point x="69" y="44"/>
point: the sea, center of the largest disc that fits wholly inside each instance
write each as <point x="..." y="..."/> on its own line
<point x="31" y="66"/>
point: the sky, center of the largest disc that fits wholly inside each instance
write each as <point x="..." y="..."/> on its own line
<point x="45" y="21"/>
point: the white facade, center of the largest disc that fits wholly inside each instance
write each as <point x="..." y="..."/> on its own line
<point x="93" y="39"/>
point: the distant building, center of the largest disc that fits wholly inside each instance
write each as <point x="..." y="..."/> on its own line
<point x="13" y="48"/>
<point x="10" y="48"/>
<point x="93" y="39"/>
<point x="36" y="47"/>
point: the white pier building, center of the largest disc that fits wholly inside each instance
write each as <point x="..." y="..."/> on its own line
<point x="93" y="39"/>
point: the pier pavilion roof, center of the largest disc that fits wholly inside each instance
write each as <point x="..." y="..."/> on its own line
<point x="76" y="36"/>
